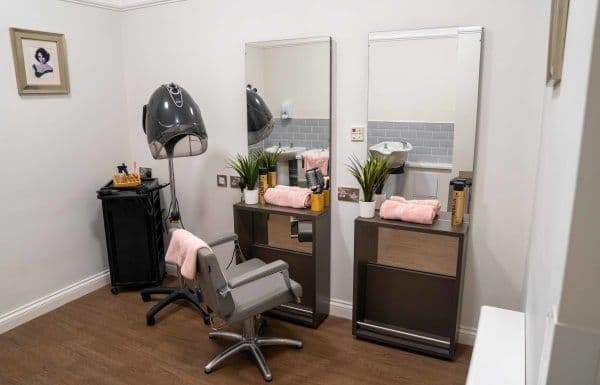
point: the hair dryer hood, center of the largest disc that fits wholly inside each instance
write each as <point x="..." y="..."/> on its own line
<point x="173" y="123"/>
<point x="260" y="119"/>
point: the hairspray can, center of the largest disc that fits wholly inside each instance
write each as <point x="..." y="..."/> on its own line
<point x="458" y="203"/>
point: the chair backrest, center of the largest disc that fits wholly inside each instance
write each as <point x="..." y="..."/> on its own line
<point x="211" y="280"/>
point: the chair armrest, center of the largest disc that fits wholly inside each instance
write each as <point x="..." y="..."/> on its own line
<point x="256" y="274"/>
<point x="226" y="239"/>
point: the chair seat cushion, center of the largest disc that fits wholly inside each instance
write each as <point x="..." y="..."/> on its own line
<point x="261" y="295"/>
<point x="243" y="267"/>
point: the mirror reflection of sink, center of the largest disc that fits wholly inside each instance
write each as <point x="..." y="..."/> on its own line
<point x="396" y="152"/>
<point x="286" y="152"/>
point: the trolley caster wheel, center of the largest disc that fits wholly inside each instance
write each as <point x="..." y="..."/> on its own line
<point x="145" y="297"/>
<point x="207" y="320"/>
<point x="114" y="290"/>
<point x="150" y="321"/>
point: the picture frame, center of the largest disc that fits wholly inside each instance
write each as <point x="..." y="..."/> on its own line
<point x="40" y="60"/>
<point x="556" y="45"/>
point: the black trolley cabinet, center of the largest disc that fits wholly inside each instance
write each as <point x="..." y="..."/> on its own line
<point x="134" y="231"/>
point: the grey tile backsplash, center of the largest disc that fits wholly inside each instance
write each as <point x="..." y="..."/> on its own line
<point x="309" y="133"/>
<point x="432" y="142"/>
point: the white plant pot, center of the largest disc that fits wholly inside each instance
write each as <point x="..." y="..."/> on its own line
<point x="378" y="199"/>
<point x="251" y="196"/>
<point x="366" y="209"/>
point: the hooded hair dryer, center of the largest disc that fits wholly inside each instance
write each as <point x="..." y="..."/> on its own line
<point x="260" y="119"/>
<point x="173" y="123"/>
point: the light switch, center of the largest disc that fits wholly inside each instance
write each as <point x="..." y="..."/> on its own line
<point x="358" y="134"/>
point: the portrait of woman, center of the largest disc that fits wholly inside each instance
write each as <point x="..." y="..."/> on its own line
<point x="40" y="62"/>
<point x="42" y="66"/>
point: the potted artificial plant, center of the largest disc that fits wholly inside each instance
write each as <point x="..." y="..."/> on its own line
<point x="379" y="196"/>
<point x="370" y="176"/>
<point x="247" y="169"/>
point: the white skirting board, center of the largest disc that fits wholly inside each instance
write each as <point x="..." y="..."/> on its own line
<point x="52" y="301"/>
<point x="49" y="302"/>
<point x="343" y="309"/>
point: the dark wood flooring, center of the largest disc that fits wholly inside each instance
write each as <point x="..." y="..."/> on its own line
<point x="103" y="339"/>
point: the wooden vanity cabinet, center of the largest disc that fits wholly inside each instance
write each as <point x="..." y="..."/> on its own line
<point x="264" y="232"/>
<point x="408" y="283"/>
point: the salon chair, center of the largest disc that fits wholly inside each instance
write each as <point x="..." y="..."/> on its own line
<point x="240" y="294"/>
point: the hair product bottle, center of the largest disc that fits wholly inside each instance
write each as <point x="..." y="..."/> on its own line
<point x="262" y="185"/>
<point x="272" y="177"/>
<point x="458" y="203"/>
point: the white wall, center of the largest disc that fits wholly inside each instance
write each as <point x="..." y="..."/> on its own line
<point x="207" y="58"/>
<point x="55" y="151"/>
<point x="563" y="236"/>
<point x="413" y="80"/>
<point x="296" y="73"/>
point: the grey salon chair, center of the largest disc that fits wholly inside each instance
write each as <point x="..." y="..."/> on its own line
<point x="241" y="294"/>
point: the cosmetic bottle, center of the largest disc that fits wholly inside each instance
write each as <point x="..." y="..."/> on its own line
<point x="458" y="203"/>
<point x="272" y="177"/>
<point x="262" y="185"/>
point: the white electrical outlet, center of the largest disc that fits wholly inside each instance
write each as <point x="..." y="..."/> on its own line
<point x="358" y="134"/>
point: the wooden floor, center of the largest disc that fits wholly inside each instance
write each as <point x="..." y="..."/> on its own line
<point x="103" y="339"/>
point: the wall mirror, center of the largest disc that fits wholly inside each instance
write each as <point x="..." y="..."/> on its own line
<point x="422" y="112"/>
<point x="292" y="79"/>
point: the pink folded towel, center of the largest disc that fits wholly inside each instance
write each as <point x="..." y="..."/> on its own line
<point x="288" y="196"/>
<point x="426" y="202"/>
<point x="407" y="212"/>
<point x="183" y="250"/>
<point x="318" y="159"/>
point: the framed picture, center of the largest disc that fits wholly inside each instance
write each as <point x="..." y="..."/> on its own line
<point x="556" y="45"/>
<point x="40" y="62"/>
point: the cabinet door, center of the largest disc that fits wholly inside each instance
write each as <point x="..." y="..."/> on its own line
<point x="131" y="241"/>
<point x="301" y="268"/>
<point x="427" y="252"/>
<point x="411" y="300"/>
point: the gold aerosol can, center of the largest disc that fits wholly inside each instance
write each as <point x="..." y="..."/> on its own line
<point x="272" y="177"/>
<point x="458" y="203"/>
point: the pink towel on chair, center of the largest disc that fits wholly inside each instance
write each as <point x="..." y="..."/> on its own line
<point x="407" y="212"/>
<point x="288" y="196"/>
<point x="183" y="250"/>
<point x="318" y="159"/>
<point x="426" y="202"/>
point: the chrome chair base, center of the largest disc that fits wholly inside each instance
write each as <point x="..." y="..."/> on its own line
<point x="249" y="340"/>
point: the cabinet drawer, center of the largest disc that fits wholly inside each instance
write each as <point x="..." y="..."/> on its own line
<point x="432" y="253"/>
<point x="411" y="300"/>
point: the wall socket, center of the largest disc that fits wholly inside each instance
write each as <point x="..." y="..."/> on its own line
<point x="348" y="194"/>
<point x="222" y="180"/>
<point x="234" y="181"/>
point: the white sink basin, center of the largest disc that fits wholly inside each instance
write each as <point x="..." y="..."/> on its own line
<point x="285" y="152"/>
<point x="396" y="152"/>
